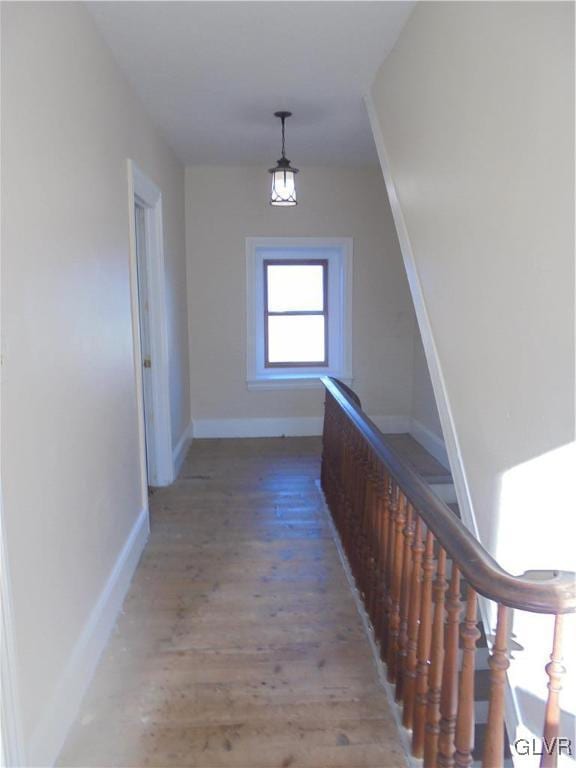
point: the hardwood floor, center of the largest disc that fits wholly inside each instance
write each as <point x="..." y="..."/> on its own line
<point x="239" y="643"/>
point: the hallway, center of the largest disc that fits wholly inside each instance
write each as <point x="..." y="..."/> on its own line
<point x="239" y="643"/>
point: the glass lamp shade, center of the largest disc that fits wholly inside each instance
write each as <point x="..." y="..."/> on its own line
<point x="283" y="186"/>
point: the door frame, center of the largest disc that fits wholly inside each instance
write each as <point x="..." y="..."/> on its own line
<point x="150" y="196"/>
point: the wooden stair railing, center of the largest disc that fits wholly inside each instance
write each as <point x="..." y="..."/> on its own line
<point x="420" y="571"/>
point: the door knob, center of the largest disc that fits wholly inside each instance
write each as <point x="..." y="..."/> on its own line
<point x="147" y="362"/>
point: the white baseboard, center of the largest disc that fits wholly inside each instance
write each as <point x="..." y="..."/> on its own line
<point x="433" y="443"/>
<point x="272" y="427"/>
<point x="181" y="449"/>
<point x="50" y="734"/>
<point x="302" y="426"/>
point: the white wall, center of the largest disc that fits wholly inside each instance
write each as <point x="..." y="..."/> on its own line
<point x="225" y="205"/>
<point x="424" y="409"/>
<point x="70" y="454"/>
<point x="475" y="105"/>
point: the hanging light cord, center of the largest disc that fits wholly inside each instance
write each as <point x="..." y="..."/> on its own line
<point x="283" y="141"/>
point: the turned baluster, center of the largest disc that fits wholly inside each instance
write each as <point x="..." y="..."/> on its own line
<point x="368" y="535"/>
<point x="388" y="558"/>
<point x="436" y="664"/>
<point x="350" y="495"/>
<point x="380" y="626"/>
<point x="342" y="474"/>
<point x="393" y="500"/>
<point x="326" y="443"/>
<point x="344" y="516"/>
<point x="555" y="671"/>
<point x="424" y="638"/>
<point x="498" y="662"/>
<point x="464" y="737"/>
<point x="404" y="602"/>
<point x="370" y="553"/>
<point x="376" y="539"/>
<point x="396" y="587"/>
<point x="362" y="514"/>
<point x="409" y="684"/>
<point x="382" y="535"/>
<point x="328" y="457"/>
<point x="449" y="694"/>
<point x="351" y="498"/>
<point x="358" y="511"/>
<point x="339" y="437"/>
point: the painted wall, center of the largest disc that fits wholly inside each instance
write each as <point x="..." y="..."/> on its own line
<point x="424" y="408"/>
<point x="481" y="152"/>
<point x="69" y="435"/>
<point x="475" y="105"/>
<point x="224" y="205"/>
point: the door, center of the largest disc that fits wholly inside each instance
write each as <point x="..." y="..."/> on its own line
<point x="140" y="216"/>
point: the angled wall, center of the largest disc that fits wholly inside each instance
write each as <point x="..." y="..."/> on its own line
<point x="475" y="109"/>
<point x="473" y="112"/>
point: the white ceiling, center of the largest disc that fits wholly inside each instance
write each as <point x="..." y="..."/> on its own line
<point x="211" y="74"/>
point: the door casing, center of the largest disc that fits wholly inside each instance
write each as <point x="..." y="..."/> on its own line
<point x="143" y="191"/>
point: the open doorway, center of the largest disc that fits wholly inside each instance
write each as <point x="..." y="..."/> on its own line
<point x="144" y="326"/>
<point x="149" y="328"/>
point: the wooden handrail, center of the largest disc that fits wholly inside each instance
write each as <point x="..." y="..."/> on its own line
<point x="416" y="566"/>
<point x="551" y="591"/>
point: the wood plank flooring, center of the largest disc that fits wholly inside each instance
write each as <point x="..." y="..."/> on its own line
<point x="239" y="643"/>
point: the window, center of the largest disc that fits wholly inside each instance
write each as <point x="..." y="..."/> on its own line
<point x="295" y="313"/>
<point x="299" y="296"/>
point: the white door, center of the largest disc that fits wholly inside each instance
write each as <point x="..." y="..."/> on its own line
<point x="140" y="214"/>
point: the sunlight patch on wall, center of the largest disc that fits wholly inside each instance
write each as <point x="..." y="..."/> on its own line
<point x="537" y="513"/>
<point x="537" y="531"/>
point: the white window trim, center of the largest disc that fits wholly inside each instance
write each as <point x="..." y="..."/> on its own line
<point x="340" y="324"/>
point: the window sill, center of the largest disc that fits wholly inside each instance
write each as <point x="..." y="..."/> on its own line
<point x="294" y="382"/>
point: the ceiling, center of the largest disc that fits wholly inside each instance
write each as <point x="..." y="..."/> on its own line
<point x="211" y="74"/>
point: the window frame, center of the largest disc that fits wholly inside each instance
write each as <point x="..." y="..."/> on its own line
<point x="295" y="313"/>
<point x="338" y="251"/>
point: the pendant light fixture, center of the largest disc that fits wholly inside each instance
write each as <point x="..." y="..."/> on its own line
<point x="283" y="175"/>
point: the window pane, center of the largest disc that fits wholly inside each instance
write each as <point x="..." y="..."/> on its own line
<point x="296" y="339"/>
<point x="295" y="287"/>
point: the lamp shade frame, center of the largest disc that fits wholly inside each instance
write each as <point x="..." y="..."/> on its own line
<point x="283" y="194"/>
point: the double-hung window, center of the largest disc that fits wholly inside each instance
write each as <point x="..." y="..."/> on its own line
<point x="295" y="313"/>
<point x="299" y="294"/>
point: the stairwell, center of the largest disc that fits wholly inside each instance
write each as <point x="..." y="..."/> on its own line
<point x="440" y="480"/>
